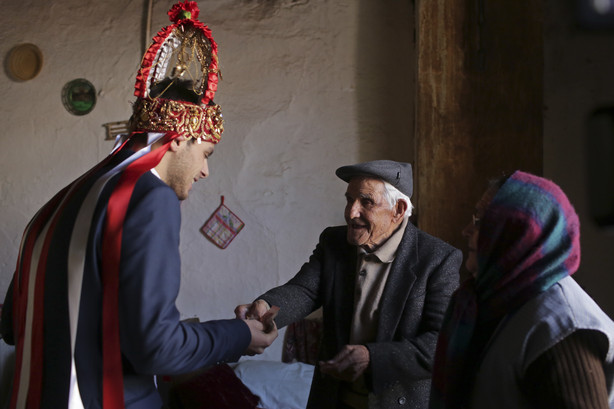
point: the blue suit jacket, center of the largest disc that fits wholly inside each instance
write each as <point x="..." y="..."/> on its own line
<point x="152" y="338"/>
<point x="422" y="278"/>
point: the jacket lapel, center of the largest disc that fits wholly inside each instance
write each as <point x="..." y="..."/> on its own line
<point x="400" y="280"/>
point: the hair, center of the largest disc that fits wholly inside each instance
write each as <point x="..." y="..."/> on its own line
<point x="393" y="195"/>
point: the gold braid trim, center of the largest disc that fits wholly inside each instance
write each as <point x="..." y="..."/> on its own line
<point x="164" y="115"/>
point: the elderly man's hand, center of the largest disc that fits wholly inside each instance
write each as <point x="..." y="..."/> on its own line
<point x="351" y="362"/>
<point x="252" y="311"/>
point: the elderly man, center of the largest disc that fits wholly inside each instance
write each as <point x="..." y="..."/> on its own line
<point x="384" y="286"/>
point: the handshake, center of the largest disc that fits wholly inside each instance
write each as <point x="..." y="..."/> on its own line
<point x="260" y="318"/>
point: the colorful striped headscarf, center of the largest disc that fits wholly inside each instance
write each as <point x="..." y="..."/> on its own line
<point x="529" y="239"/>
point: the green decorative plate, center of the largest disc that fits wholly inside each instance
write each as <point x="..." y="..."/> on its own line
<point x="79" y="96"/>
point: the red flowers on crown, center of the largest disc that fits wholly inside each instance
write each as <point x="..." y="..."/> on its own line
<point x="193" y="43"/>
<point x="188" y="10"/>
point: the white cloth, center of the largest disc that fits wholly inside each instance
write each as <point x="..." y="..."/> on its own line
<point x="278" y="385"/>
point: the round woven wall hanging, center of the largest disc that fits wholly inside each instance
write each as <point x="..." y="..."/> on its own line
<point x="24" y="62"/>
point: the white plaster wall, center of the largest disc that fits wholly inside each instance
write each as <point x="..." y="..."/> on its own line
<point x="308" y="85"/>
<point x="578" y="67"/>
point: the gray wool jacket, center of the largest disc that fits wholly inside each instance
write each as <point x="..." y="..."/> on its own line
<point x="422" y="278"/>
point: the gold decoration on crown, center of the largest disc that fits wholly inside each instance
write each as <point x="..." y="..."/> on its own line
<point x="189" y="120"/>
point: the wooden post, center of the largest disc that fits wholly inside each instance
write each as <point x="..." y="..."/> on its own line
<point x="479" y="104"/>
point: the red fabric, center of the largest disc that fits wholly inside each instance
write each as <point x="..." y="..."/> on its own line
<point x="175" y="13"/>
<point x="112" y="382"/>
<point x="302" y="342"/>
<point x="20" y="299"/>
<point x="216" y="388"/>
<point x="148" y="62"/>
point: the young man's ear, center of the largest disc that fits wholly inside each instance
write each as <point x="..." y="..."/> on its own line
<point x="175" y="143"/>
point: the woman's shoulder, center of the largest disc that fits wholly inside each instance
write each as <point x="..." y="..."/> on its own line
<point x="554" y="315"/>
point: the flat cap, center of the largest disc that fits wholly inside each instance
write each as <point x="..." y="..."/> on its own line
<point x="398" y="174"/>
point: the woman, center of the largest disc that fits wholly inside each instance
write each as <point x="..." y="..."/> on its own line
<point x="521" y="333"/>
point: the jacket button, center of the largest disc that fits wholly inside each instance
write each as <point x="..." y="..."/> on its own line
<point x="402" y="400"/>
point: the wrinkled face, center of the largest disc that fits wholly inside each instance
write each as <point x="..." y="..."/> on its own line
<point x="188" y="164"/>
<point x="472" y="230"/>
<point x="368" y="214"/>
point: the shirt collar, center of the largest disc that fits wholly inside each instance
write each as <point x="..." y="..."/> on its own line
<point x="155" y="172"/>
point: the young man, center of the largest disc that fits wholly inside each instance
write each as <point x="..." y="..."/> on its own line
<point x="91" y="308"/>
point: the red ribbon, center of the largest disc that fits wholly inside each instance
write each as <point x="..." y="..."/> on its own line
<point x="20" y="291"/>
<point x="112" y="381"/>
<point x="113" y="392"/>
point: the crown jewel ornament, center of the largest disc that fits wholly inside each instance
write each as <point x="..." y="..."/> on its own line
<point x="178" y="78"/>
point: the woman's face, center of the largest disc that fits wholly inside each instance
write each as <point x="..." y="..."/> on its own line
<point x="472" y="230"/>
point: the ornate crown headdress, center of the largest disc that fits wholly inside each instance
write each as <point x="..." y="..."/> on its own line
<point x="178" y="79"/>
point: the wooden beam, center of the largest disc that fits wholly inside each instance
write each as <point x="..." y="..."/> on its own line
<point x="479" y="104"/>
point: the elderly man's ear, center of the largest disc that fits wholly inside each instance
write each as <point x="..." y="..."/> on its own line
<point x="399" y="210"/>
